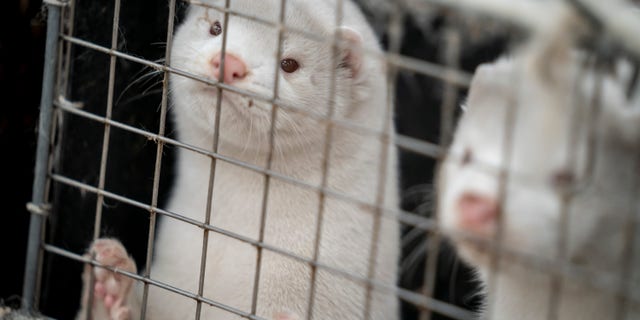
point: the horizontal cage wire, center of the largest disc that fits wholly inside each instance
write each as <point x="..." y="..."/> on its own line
<point x="105" y="169"/>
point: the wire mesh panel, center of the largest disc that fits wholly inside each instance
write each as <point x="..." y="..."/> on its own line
<point x="302" y="160"/>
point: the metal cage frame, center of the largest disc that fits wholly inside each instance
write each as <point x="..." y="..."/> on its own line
<point x="60" y="36"/>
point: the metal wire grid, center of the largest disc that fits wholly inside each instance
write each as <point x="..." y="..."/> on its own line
<point x="450" y="74"/>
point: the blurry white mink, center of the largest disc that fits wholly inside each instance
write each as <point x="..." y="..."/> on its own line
<point x="304" y="80"/>
<point x="532" y="115"/>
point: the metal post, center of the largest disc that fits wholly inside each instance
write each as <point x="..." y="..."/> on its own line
<point x="38" y="201"/>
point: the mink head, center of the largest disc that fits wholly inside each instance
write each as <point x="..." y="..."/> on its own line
<point x="311" y="76"/>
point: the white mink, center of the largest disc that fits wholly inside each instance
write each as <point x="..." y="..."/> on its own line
<point x="546" y="97"/>
<point x="361" y="97"/>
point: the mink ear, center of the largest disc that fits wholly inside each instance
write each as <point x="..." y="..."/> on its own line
<point x="550" y="49"/>
<point x="490" y="82"/>
<point x="351" y="50"/>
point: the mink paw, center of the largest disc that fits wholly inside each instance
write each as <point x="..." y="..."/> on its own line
<point x="110" y="289"/>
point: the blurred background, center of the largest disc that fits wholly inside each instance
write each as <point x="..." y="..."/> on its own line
<point x="142" y="33"/>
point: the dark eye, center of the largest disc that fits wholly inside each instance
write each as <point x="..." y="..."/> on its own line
<point x="563" y="178"/>
<point x="216" y="29"/>
<point x="467" y="157"/>
<point x="289" y="65"/>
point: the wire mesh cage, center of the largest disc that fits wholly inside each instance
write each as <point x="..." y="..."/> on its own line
<point x="297" y="160"/>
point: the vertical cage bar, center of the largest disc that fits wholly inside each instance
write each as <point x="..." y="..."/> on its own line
<point x="450" y="96"/>
<point x="62" y="75"/>
<point x="395" y="33"/>
<point x="68" y="18"/>
<point x="42" y="156"/>
<point x="105" y="144"/>
<point x="267" y="178"/>
<point x="565" y="195"/>
<point x="503" y="180"/>
<point x="51" y="161"/>
<point x="632" y="228"/>
<point x="107" y="126"/>
<point x="158" y="164"/>
<point x="447" y="109"/>
<point x="212" y="168"/>
<point x="325" y="161"/>
<point x="629" y="250"/>
<point x="64" y="70"/>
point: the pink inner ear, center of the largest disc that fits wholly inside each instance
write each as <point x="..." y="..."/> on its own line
<point x="352" y="57"/>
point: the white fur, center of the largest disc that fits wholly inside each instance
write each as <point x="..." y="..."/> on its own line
<point x="550" y="100"/>
<point x="361" y="98"/>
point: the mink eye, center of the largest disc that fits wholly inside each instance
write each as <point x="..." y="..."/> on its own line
<point x="289" y="65"/>
<point x="216" y="29"/>
<point x="467" y="157"/>
<point x="563" y="178"/>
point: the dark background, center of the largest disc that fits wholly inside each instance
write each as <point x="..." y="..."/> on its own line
<point x="131" y="158"/>
<point x="21" y="55"/>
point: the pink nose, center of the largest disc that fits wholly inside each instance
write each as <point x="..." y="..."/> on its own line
<point x="478" y="213"/>
<point x="234" y="67"/>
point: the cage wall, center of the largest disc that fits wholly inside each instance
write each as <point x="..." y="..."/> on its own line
<point x="114" y="148"/>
